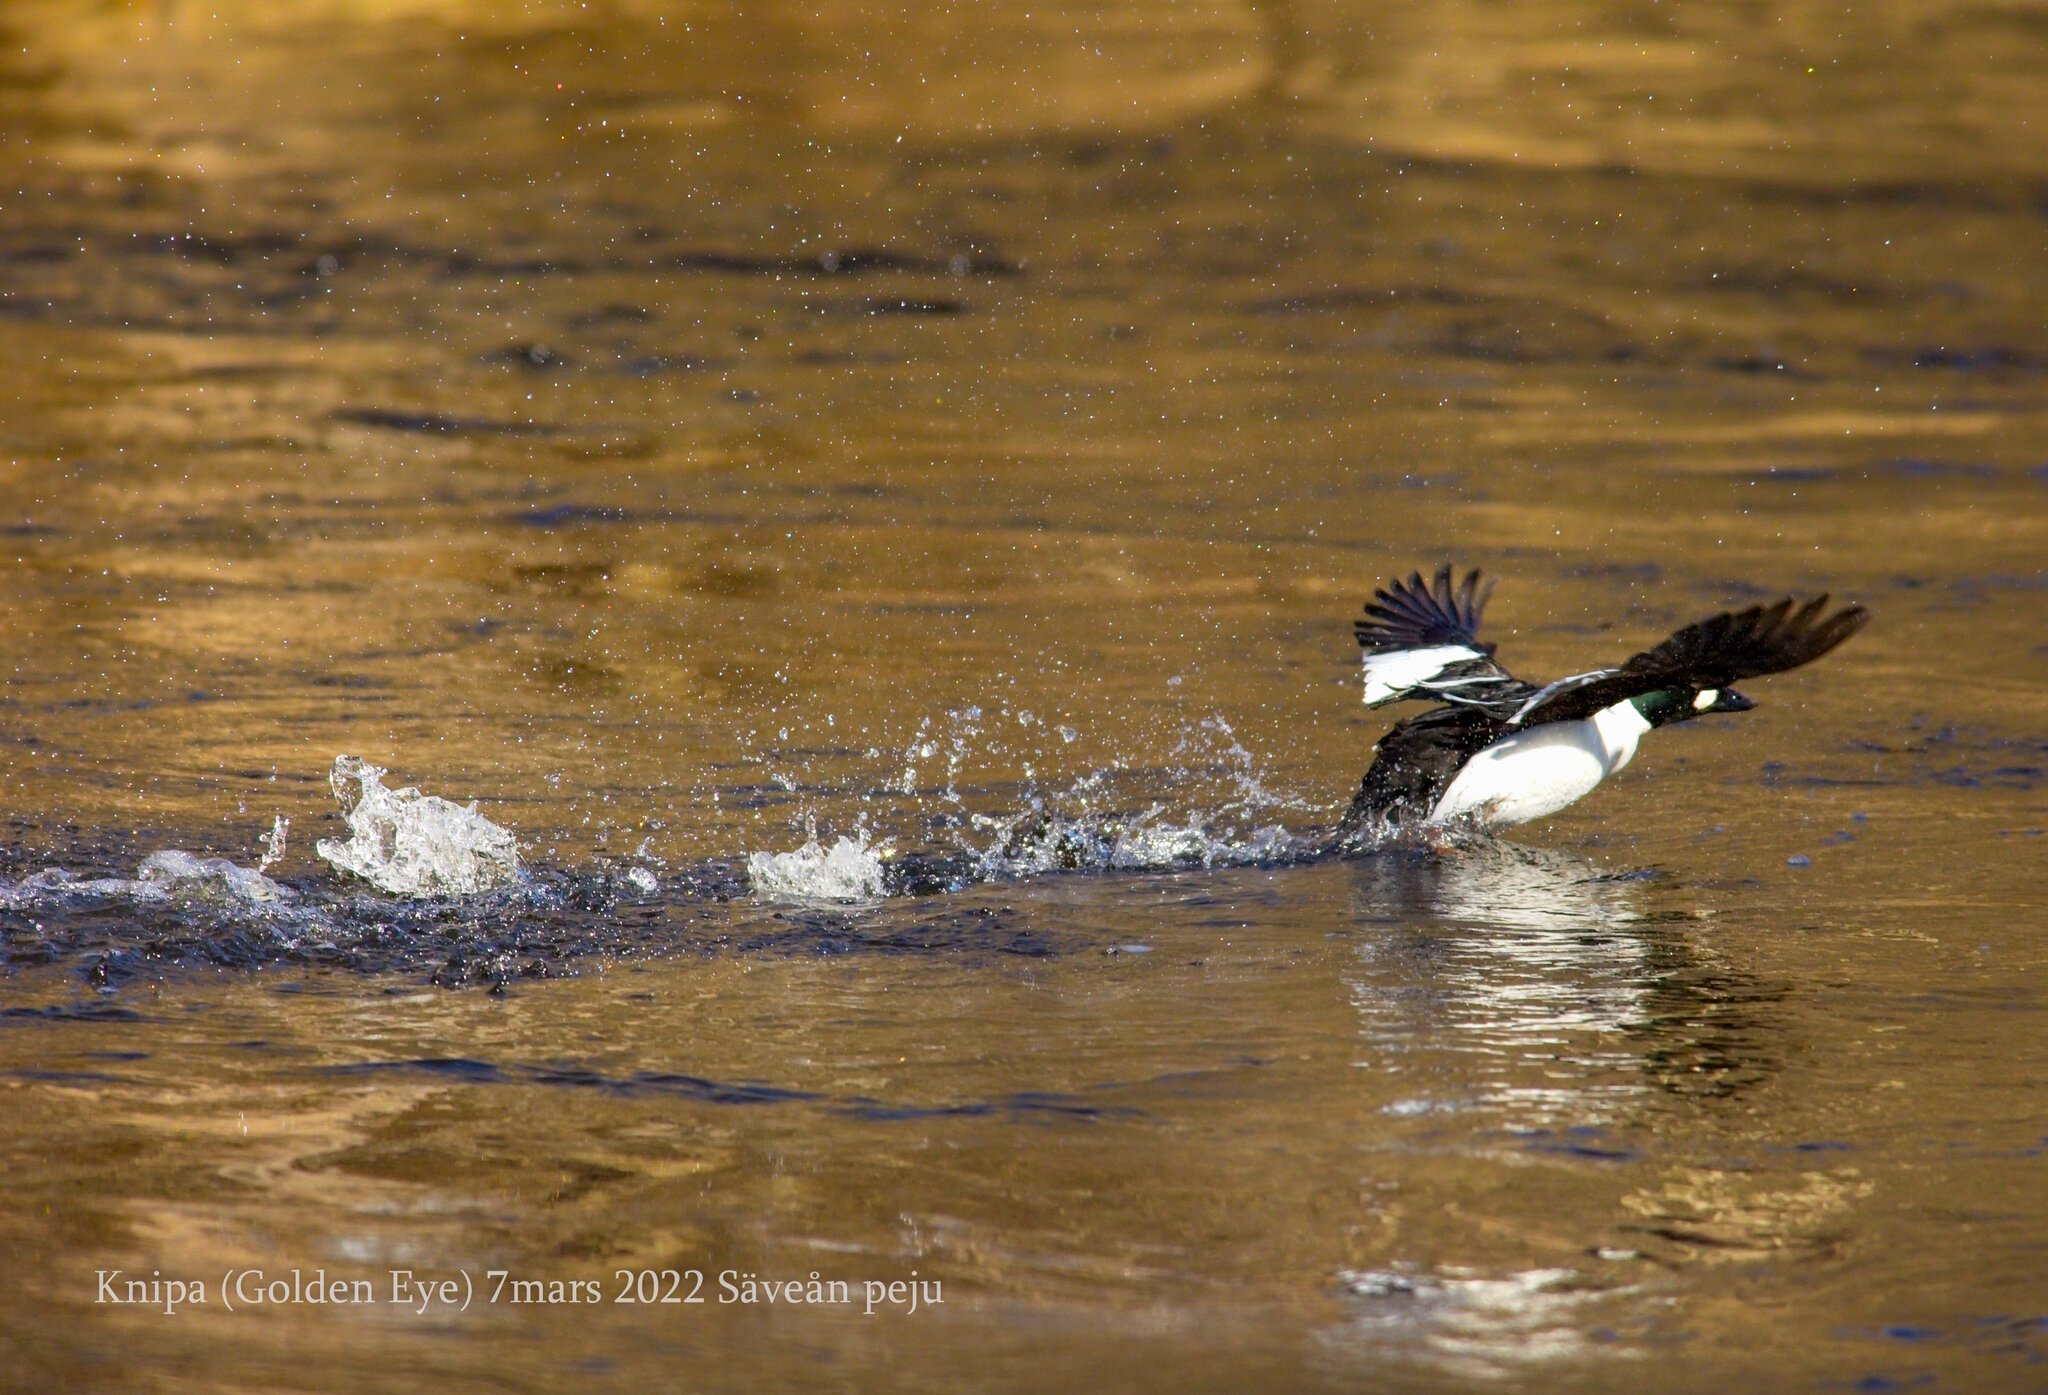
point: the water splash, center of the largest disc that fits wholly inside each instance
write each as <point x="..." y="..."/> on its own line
<point x="413" y="844"/>
<point x="1035" y="843"/>
<point x="164" y="876"/>
<point x="963" y="726"/>
<point x="1207" y="804"/>
<point x="274" y="843"/>
<point x="850" y="871"/>
<point x="215" y="879"/>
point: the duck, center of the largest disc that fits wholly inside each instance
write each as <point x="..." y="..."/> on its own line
<point x="1494" y="751"/>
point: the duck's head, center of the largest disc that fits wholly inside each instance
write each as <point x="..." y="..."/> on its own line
<point x="1673" y="705"/>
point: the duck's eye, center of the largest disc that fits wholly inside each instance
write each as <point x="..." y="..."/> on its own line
<point x="1706" y="698"/>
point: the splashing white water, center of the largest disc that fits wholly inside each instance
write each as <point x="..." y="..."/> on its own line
<point x="274" y="843"/>
<point x="848" y="871"/>
<point x="208" y="879"/>
<point x="413" y="844"/>
<point x="166" y="875"/>
<point x="1037" y="843"/>
<point x="1208" y="803"/>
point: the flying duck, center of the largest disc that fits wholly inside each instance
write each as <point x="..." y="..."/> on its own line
<point x="1497" y="751"/>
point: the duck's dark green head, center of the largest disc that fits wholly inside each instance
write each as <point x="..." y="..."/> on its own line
<point x="1662" y="709"/>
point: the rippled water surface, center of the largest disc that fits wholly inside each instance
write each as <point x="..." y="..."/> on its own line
<point x="960" y="438"/>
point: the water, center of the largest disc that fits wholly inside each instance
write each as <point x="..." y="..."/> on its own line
<point x="878" y="523"/>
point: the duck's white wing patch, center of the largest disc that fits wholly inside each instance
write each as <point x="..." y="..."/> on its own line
<point x="1391" y="675"/>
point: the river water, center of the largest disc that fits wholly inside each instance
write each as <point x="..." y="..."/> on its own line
<point x="701" y="436"/>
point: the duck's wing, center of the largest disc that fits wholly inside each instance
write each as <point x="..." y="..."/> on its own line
<point x="1711" y="653"/>
<point x="1414" y="763"/>
<point x="1421" y="639"/>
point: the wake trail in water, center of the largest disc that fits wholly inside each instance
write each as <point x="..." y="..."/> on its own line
<point x="423" y="881"/>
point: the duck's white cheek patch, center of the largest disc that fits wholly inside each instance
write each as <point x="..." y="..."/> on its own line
<point x="1706" y="699"/>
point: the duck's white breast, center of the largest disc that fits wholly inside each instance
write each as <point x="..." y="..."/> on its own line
<point x="1540" y="771"/>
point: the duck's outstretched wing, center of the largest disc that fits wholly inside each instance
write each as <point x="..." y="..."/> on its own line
<point x="1421" y="639"/>
<point x="1711" y="654"/>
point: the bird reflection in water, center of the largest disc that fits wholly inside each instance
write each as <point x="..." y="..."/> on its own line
<point x="1541" y="984"/>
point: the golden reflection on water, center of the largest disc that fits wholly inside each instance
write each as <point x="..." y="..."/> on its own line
<point x="670" y="424"/>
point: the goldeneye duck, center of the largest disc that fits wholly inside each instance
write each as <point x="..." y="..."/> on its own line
<point x="1499" y="751"/>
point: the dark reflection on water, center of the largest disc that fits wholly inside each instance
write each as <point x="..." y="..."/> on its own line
<point x="968" y="432"/>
